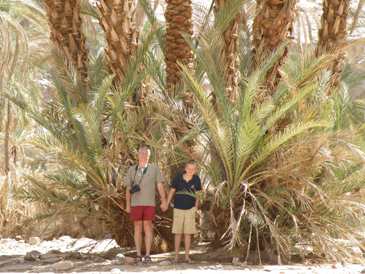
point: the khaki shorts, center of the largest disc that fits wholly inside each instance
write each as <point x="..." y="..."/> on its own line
<point x="184" y="221"/>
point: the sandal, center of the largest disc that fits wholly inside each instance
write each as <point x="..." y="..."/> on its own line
<point x="139" y="259"/>
<point x="147" y="259"/>
<point x="188" y="260"/>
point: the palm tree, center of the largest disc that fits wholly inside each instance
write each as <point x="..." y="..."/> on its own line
<point x="271" y="28"/>
<point x="66" y="33"/>
<point x="333" y="34"/>
<point x="230" y="49"/>
<point x="118" y="21"/>
<point x="272" y="189"/>
<point x="74" y="137"/>
<point x="179" y="22"/>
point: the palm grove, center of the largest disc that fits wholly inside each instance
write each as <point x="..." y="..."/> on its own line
<point x="267" y="116"/>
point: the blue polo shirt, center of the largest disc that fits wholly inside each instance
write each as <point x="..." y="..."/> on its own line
<point x="185" y="195"/>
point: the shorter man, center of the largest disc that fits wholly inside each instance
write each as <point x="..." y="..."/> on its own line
<point x="184" y="187"/>
<point x="142" y="180"/>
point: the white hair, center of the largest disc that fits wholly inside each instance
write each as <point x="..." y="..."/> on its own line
<point x="144" y="149"/>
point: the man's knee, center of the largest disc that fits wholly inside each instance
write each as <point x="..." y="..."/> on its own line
<point x="147" y="225"/>
<point x="138" y="225"/>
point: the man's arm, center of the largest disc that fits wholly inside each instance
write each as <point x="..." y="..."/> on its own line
<point x="162" y="193"/>
<point x="127" y="193"/>
<point x="127" y="201"/>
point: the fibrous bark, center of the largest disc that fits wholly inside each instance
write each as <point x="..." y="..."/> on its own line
<point x="65" y="27"/>
<point x="272" y="27"/>
<point x="118" y="21"/>
<point x="230" y="52"/>
<point x="178" y="23"/>
<point x="333" y="34"/>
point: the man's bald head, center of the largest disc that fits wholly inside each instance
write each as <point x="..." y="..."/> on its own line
<point x="143" y="155"/>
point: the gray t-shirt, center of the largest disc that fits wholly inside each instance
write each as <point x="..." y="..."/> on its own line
<point x="147" y="181"/>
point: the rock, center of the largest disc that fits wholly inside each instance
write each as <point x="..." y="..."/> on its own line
<point x="120" y="256"/>
<point x="18" y="237"/>
<point x="51" y="257"/>
<point x="122" y="259"/>
<point x="116" y="271"/>
<point x="5" y="241"/>
<point x="10" y="261"/>
<point x="73" y="255"/>
<point x="34" y="240"/>
<point x="98" y="259"/>
<point x="129" y="260"/>
<point x="165" y="263"/>
<point x="111" y="253"/>
<point x="66" y="238"/>
<point x="236" y="261"/>
<point x="54" y="251"/>
<point x="32" y="256"/>
<point x="62" y="266"/>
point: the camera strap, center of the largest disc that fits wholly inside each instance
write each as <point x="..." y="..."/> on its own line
<point x="135" y="174"/>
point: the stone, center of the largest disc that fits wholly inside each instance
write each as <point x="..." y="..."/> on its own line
<point x="65" y="238"/>
<point x="32" y="256"/>
<point x="165" y="263"/>
<point x="129" y="260"/>
<point x="116" y="271"/>
<point x="121" y="259"/>
<point x="236" y="261"/>
<point x="34" y="240"/>
<point x="5" y="241"/>
<point x="51" y="258"/>
<point x="63" y="266"/>
<point x="73" y="255"/>
<point x="111" y="253"/>
<point x="18" y="237"/>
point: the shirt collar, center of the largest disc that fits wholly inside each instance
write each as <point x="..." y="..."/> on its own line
<point x="142" y="167"/>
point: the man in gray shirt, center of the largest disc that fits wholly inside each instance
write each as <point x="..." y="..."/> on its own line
<point x="142" y="180"/>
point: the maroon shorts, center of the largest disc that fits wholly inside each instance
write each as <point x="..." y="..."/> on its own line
<point x="143" y="213"/>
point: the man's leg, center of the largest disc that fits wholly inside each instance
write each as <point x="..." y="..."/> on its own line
<point x="138" y="236"/>
<point x="187" y="242"/>
<point x="177" y="246"/>
<point x="148" y="231"/>
<point x="149" y="213"/>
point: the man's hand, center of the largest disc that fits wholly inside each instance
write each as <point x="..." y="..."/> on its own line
<point x="128" y="209"/>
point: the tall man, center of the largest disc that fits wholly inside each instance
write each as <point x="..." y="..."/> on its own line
<point x="142" y="180"/>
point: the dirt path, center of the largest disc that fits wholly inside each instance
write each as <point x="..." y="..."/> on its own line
<point x="68" y="255"/>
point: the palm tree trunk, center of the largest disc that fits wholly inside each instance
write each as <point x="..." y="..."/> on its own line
<point x="118" y="21"/>
<point x="230" y="53"/>
<point x="65" y="25"/>
<point x="178" y="23"/>
<point x="333" y="34"/>
<point x="179" y="27"/>
<point x="271" y="27"/>
<point x="6" y="140"/>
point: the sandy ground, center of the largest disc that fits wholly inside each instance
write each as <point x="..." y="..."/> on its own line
<point x="68" y="255"/>
<point x="223" y="269"/>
